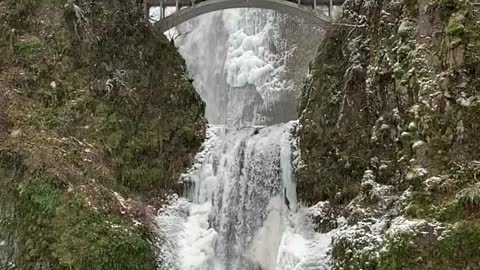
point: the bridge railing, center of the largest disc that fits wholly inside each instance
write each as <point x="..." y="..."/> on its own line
<point x="179" y="4"/>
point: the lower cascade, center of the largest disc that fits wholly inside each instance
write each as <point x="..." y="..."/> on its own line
<point x="239" y="209"/>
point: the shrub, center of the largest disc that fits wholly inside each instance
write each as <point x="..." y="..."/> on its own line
<point x="400" y="253"/>
<point x="86" y="238"/>
<point x="456" y="25"/>
<point x="470" y="196"/>
<point x="456" y="249"/>
<point x="59" y="229"/>
<point x="28" y="46"/>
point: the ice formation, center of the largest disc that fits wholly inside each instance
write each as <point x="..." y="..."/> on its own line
<point x="234" y="59"/>
<point x="240" y="210"/>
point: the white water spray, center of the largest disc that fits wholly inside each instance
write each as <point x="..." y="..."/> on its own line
<point x="239" y="210"/>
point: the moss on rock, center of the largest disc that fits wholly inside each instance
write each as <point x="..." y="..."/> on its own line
<point x="393" y="92"/>
<point x="457" y="249"/>
<point x="365" y="113"/>
<point x="59" y="230"/>
<point x="105" y="119"/>
<point x="85" y="238"/>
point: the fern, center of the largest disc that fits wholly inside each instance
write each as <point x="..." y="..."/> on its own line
<point x="470" y="195"/>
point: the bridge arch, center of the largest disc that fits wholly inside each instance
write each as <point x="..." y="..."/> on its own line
<point x="284" y="6"/>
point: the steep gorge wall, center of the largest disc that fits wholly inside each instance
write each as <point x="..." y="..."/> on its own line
<point x="94" y="108"/>
<point x="390" y="124"/>
<point x="408" y="73"/>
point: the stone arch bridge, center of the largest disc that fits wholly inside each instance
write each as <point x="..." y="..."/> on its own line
<point x="189" y="9"/>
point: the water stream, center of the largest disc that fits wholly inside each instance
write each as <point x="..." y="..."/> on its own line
<point x="239" y="210"/>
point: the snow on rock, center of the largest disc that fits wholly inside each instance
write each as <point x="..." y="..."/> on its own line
<point x="401" y="225"/>
<point x="361" y="240"/>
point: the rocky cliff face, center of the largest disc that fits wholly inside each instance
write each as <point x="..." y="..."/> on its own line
<point x="97" y="118"/>
<point x="389" y="134"/>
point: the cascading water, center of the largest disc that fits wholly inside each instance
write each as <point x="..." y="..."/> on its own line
<point x="239" y="211"/>
<point x="237" y="188"/>
<point x="239" y="208"/>
<point x="238" y="60"/>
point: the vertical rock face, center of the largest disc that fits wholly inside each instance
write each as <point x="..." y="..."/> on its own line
<point x="393" y="89"/>
<point x="94" y="108"/>
<point x="390" y="127"/>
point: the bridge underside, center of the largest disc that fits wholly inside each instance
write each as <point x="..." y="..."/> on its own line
<point x="185" y="3"/>
<point x="310" y="15"/>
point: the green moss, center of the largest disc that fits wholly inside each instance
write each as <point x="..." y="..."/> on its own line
<point x="451" y="212"/>
<point x="414" y="210"/>
<point x="400" y="253"/>
<point x="421" y="205"/>
<point x="141" y="178"/>
<point x="93" y="239"/>
<point x="444" y="207"/>
<point x="28" y="46"/>
<point x="41" y="194"/>
<point x="457" y="249"/>
<point x="37" y="202"/>
<point x="188" y="134"/>
<point x="456" y="25"/>
<point x="136" y="129"/>
<point x="57" y="228"/>
<point x="11" y="166"/>
<point x="51" y="119"/>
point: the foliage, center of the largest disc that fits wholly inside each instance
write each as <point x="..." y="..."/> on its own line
<point x="470" y="196"/>
<point x="436" y="206"/>
<point x="188" y="134"/>
<point x="355" y="252"/>
<point x="451" y="212"/>
<point x="447" y="8"/>
<point x="27" y="47"/>
<point x="11" y="166"/>
<point x="456" y="25"/>
<point x="37" y="202"/>
<point x="399" y="253"/>
<point x="93" y="239"/>
<point x="57" y="227"/>
<point x="124" y="90"/>
<point x="97" y="95"/>
<point x="458" y="249"/>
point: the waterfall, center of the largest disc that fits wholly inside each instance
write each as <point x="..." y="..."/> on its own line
<point x="237" y="200"/>
<point x="237" y="59"/>
<point x="239" y="209"/>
